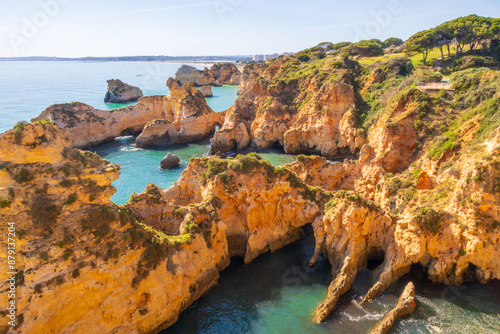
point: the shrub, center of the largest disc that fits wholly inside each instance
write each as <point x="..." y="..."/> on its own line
<point x="71" y="199"/>
<point x="46" y="121"/>
<point x="23" y="176"/>
<point x="43" y="211"/>
<point x="75" y="273"/>
<point x="18" y="131"/>
<point x="98" y="221"/>
<point x="474" y="62"/>
<point x="67" y="254"/>
<point x="443" y="94"/>
<point x="133" y="198"/>
<point x="427" y="76"/>
<point x="5" y="202"/>
<point x="44" y="256"/>
<point x="427" y="219"/>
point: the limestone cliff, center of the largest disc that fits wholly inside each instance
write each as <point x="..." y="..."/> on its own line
<point x="187" y="117"/>
<point x="301" y="107"/>
<point x="184" y="107"/>
<point x="85" y="262"/>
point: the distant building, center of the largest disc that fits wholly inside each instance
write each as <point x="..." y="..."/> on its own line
<point x="259" y="57"/>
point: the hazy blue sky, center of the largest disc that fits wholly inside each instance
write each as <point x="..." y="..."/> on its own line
<point x="222" y="27"/>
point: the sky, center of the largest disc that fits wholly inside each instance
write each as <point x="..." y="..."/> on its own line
<point x="79" y="28"/>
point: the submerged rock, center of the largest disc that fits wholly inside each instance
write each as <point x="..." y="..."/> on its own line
<point x="170" y="161"/>
<point x="206" y="91"/>
<point x="120" y="92"/>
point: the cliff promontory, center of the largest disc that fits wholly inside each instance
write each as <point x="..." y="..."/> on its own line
<point x="184" y="108"/>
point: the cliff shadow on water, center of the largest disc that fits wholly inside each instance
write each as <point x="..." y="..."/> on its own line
<point x="263" y="296"/>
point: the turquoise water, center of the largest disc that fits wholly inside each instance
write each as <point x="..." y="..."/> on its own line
<point x="277" y="292"/>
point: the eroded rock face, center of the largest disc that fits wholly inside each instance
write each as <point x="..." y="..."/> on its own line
<point x="300" y="114"/>
<point x="120" y="92"/>
<point x="217" y="75"/>
<point x="88" y="126"/>
<point x="170" y="161"/>
<point x="187" y="117"/>
<point x="84" y="256"/>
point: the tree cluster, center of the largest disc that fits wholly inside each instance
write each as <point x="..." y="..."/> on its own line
<point x="470" y="30"/>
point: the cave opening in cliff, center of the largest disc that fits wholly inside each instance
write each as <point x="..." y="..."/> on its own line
<point x="127" y="132"/>
<point x="375" y="259"/>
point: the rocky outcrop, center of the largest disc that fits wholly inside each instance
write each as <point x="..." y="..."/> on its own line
<point x="206" y="91"/>
<point x="187" y="110"/>
<point x="218" y="74"/>
<point x="301" y="113"/>
<point x="88" y="126"/>
<point x="81" y="256"/>
<point x="170" y="160"/>
<point x="406" y="306"/>
<point x="120" y="92"/>
<point x="187" y="117"/>
<point x="226" y="73"/>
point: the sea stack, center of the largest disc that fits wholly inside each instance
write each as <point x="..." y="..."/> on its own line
<point x="170" y="161"/>
<point x="120" y="92"/>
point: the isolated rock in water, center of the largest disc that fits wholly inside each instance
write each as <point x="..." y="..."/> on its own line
<point x="170" y="160"/>
<point x="119" y="92"/>
<point x="206" y="91"/>
<point x="406" y="305"/>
